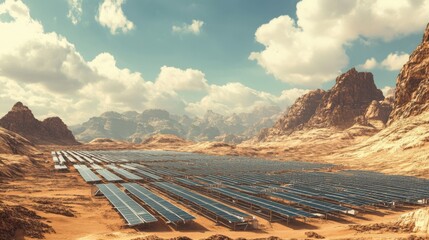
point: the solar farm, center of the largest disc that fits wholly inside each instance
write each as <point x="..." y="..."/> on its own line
<point x="145" y="187"/>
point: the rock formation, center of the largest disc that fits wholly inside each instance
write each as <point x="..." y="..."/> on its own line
<point x="412" y="84"/>
<point x="353" y="98"/>
<point x="13" y="143"/>
<point x="377" y="113"/>
<point x="51" y="131"/>
<point x="300" y="112"/>
<point x="351" y="95"/>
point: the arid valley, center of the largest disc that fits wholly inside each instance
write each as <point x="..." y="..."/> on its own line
<point x="99" y="153"/>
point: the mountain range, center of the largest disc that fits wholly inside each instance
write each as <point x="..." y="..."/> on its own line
<point x="135" y="127"/>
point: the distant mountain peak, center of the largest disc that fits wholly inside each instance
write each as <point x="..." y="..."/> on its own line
<point x="19" y="106"/>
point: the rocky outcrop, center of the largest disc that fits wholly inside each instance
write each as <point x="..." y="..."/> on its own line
<point x="351" y="95"/>
<point x="51" y="131"/>
<point x="377" y="113"/>
<point x="412" y="84"/>
<point x="300" y="112"/>
<point x="160" y="139"/>
<point x="415" y="221"/>
<point x="13" y="143"/>
<point x="352" y="99"/>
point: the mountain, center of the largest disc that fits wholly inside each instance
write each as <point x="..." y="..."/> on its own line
<point x="135" y="127"/>
<point x="412" y="84"/>
<point x="403" y="146"/>
<point x="352" y="100"/>
<point x="49" y="131"/>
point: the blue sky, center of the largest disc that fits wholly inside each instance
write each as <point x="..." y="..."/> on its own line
<point x="221" y="50"/>
<point x="294" y="50"/>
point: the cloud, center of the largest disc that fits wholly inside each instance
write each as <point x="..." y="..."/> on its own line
<point x="236" y="97"/>
<point x="388" y="91"/>
<point x="75" y="11"/>
<point x="311" y="50"/>
<point x="395" y="61"/>
<point x="31" y="56"/>
<point x="369" y="64"/>
<point x="175" y="79"/>
<point x="110" y="15"/>
<point x="193" y="28"/>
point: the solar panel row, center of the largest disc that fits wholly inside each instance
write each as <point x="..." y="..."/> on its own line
<point x="315" y="204"/>
<point x="132" y="212"/>
<point x="109" y="176"/>
<point x="278" y="208"/>
<point x="147" y="174"/>
<point x="229" y="214"/>
<point x="124" y="173"/>
<point x="170" y="212"/>
<point x="87" y="174"/>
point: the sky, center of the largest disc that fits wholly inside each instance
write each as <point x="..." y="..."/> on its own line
<point x="79" y="58"/>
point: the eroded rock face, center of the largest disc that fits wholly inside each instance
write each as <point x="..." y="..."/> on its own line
<point x="300" y="112"/>
<point x="377" y="113"/>
<point x="412" y="84"/>
<point x="51" y="131"/>
<point x="351" y="95"/>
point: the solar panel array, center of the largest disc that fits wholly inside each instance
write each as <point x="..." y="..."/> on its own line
<point x="170" y="212"/>
<point x="131" y="211"/>
<point x="289" y="188"/>
<point x="216" y="208"/>
<point x="87" y="174"/>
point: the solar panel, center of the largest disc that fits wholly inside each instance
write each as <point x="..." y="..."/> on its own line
<point x="315" y="204"/>
<point x="170" y="212"/>
<point x="124" y="173"/>
<point x="216" y="208"/>
<point x="60" y="167"/>
<point x="87" y="174"/>
<point x="131" y="211"/>
<point x="109" y="176"/>
<point x="147" y="174"/>
<point x="188" y="182"/>
<point x="264" y="203"/>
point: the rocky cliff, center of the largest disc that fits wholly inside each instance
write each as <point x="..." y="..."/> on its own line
<point x="412" y="84"/>
<point x="51" y="131"/>
<point x="351" y="95"/>
<point x="353" y="99"/>
<point x="300" y="112"/>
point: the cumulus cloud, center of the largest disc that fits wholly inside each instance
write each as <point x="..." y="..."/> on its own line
<point x="110" y="15"/>
<point x="369" y="64"/>
<point x="193" y="28"/>
<point x="395" y="61"/>
<point x="311" y="50"/>
<point x="31" y="56"/>
<point x="236" y="97"/>
<point x="388" y="91"/>
<point x="171" y="78"/>
<point x="75" y="11"/>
